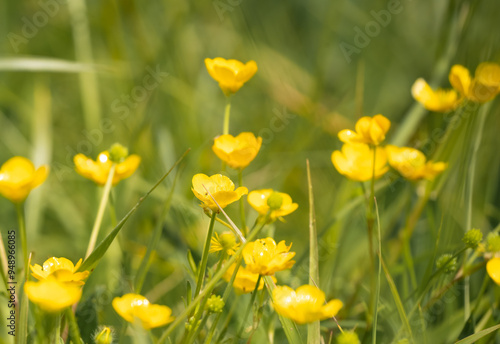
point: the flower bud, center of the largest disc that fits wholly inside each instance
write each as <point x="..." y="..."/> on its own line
<point x="472" y="238"/>
<point x="450" y="266"/>
<point x="348" y="337"/>
<point x="118" y="153"/>
<point x="493" y="242"/>
<point x="105" y="336"/>
<point x="215" y="304"/>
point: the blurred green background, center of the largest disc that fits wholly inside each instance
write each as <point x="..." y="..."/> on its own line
<point x="74" y="79"/>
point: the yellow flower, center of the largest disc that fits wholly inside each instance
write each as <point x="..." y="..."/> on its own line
<point x="368" y="130"/>
<point x="412" y="164"/>
<point x="230" y="74"/>
<point x="18" y="177"/>
<point x="259" y="200"/>
<point x="98" y="170"/>
<point x="434" y="100"/>
<point x="265" y="257"/>
<point x="226" y="241"/>
<point x="355" y="161"/>
<point x="245" y="281"/>
<point x="237" y="151"/>
<point x="61" y="269"/>
<point x="493" y="268"/>
<point x="134" y="306"/>
<point x="52" y="295"/>
<point x="305" y="305"/>
<point x="483" y="87"/>
<point x="221" y="188"/>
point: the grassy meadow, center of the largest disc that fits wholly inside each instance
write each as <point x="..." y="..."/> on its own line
<point x="78" y="76"/>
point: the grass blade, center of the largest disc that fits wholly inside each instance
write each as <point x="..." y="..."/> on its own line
<point x="476" y="336"/>
<point x="377" y="286"/>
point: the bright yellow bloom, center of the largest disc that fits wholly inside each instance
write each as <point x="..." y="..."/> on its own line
<point x="230" y="74"/>
<point x="245" y="281"/>
<point x="225" y="242"/>
<point x="220" y="187"/>
<point x="493" y="269"/>
<point x="369" y="130"/>
<point x="18" y="177"/>
<point x="483" y="87"/>
<point x="259" y="200"/>
<point x="237" y="151"/>
<point x="412" y="164"/>
<point x="265" y="257"/>
<point x="98" y="170"/>
<point x="439" y="100"/>
<point x="305" y="305"/>
<point x="52" y="295"/>
<point x="134" y="306"/>
<point x="61" y="269"/>
<point x="355" y="161"/>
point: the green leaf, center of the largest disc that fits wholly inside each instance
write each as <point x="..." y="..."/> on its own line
<point x="44" y="64"/>
<point x="476" y="336"/>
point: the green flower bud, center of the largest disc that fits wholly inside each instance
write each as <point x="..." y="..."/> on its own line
<point x="275" y="201"/>
<point x="118" y="153"/>
<point x="190" y="324"/>
<point x="493" y="242"/>
<point x="215" y="304"/>
<point x="451" y="265"/>
<point x="104" y="336"/>
<point x="348" y="337"/>
<point x="472" y="238"/>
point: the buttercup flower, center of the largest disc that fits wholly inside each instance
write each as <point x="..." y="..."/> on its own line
<point x="98" y="170"/>
<point x="220" y="187"/>
<point x="265" y="257"/>
<point x="259" y="200"/>
<point x="245" y="281"/>
<point x="51" y="295"/>
<point x="369" y="130"/>
<point x="61" y="269"/>
<point x="237" y="151"/>
<point x="483" y="87"/>
<point x="305" y="305"/>
<point x="412" y="164"/>
<point x="434" y="100"/>
<point x="18" y="177"/>
<point x="230" y="74"/>
<point x="134" y="306"/>
<point x="493" y="269"/>
<point x="225" y="242"/>
<point x="355" y="161"/>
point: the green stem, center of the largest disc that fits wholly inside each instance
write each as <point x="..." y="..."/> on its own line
<point x="3" y="263"/>
<point x="242" y="205"/>
<point x="204" y="257"/>
<point x="370" y="220"/>
<point x="24" y="242"/>
<point x="227" y="114"/>
<point x="249" y="308"/>
<point x="100" y="212"/>
<point x="73" y="327"/>
<point x="55" y="334"/>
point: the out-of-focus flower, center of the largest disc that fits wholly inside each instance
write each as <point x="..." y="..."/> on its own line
<point x="369" y="130"/>
<point x="472" y="238"/>
<point x="51" y="295"/>
<point x="412" y="164"/>
<point x="439" y="100"/>
<point x="98" y="170"/>
<point x="230" y="74"/>
<point x="244" y="281"/>
<point x="105" y="336"/>
<point x="225" y="242"/>
<point x="493" y="268"/>
<point x="61" y="269"/>
<point x="18" y="177"/>
<point x="348" y="337"/>
<point x="237" y="152"/>
<point x="480" y="89"/>
<point x="265" y="257"/>
<point x="278" y="203"/>
<point x="215" y="304"/>
<point x="220" y="187"/>
<point x="355" y="161"/>
<point x="132" y="307"/>
<point x="305" y="305"/>
<point x="447" y="261"/>
<point x="493" y="242"/>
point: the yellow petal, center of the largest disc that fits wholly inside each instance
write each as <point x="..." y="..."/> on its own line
<point x="438" y="101"/>
<point x="493" y="269"/>
<point x="460" y="79"/>
<point x="51" y="295"/>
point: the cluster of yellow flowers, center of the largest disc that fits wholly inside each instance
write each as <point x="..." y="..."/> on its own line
<point x="361" y="158"/>
<point x="482" y="88"/>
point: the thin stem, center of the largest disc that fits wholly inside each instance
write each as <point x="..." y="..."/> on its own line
<point x="204" y="257"/>
<point x="24" y="242"/>
<point x="227" y="114"/>
<point x="242" y="205"/>
<point x="55" y="334"/>
<point x="249" y="308"/>
<point x="100" y="212"/>
<point x="73" y="327"/>
<point x="370" y="220"/>
<point x="3" y="262"/>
